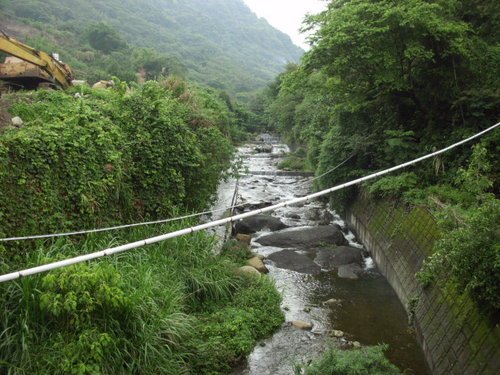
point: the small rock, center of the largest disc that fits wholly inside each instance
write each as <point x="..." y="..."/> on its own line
<point x="247" y="270"/>
<point x="244" y="238"/>
<point x="286" y="308"/>
<point x="356" y="344"/>
<point x="262" y="343"/>
<point x="307" y="309"/>
<point x="337" y="333"/>
<point x="256" y="263"/>
<point x="17" y="121"/>
<point x="302" y="325"/>
<point x="332" y="302"/>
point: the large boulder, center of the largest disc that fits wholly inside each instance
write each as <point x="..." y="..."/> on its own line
<point x="257" y="223"/>
<point x="305" y="237"/>
<point x="339" y="256"/>
<point x="322" y="216"/>
<point x="291" y="260"/>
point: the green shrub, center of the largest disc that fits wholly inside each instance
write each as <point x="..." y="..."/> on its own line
<point x="394" y="186"/>
<point x="107" y="156"/>
<point x="364" y="361"/>
<point x="225" y="336"/>
<point x="470" y="255"/>
<point x="293" y="163"/>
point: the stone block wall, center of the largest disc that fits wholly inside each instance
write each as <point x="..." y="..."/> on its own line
<point x="454" y="336"/>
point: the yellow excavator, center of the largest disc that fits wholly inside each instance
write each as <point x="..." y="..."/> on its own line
<point x="26" y="67"/>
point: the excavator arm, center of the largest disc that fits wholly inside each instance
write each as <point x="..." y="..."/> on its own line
<point x="60" y="72"/>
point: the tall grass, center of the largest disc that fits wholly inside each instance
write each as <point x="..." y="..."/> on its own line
<point x="134" y="313"/>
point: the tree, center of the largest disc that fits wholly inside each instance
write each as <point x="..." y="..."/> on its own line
<point x="104" y="38"/>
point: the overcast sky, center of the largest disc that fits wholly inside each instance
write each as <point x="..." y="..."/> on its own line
<point x="287" y="15"/>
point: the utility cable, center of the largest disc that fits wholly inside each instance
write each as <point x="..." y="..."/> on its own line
<point x="162" y="221"/>
<point x="163" y="237"/>
<point x="124" y="226"/>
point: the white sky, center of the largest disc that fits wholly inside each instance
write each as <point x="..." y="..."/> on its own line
<point x="287" y="15"/>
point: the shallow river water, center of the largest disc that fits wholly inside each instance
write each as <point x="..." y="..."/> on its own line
<point x="367" y="309"/>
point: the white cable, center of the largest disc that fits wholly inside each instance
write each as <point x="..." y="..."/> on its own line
<point x="162" y="221"/>
<point x="97" y="230"/>
<point x="163" y="237"/>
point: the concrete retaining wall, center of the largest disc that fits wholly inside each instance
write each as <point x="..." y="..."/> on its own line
<point x="455" y="338"/>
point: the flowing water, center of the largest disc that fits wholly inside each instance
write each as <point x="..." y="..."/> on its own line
<point x="366" y="310"/>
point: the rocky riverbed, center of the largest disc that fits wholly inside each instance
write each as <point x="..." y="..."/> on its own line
<point x="332" y="292"/>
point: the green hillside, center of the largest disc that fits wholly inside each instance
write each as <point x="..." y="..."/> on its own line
<point x="217" y="42"/>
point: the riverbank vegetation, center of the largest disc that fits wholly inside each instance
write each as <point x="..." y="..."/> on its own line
<point x="87" y="158"/>
<point x="171" y="308"/>
<point x="385" y="82"/>
<point x="369" y="360"/>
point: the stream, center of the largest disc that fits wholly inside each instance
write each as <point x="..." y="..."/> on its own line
<point x="343" y="311"/>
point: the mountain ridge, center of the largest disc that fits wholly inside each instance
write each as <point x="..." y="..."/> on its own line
<point x="222" y="43"/>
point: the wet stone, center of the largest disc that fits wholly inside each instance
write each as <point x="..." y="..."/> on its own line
<point x="257" y="223"/>
<point x="305" y="237"/>
<point x="302" y="325"/>
<point x="339" y="256"/>
<point x="349" y="271"/>
<point x="337" y="333"/>
<point x="291" y="260"/>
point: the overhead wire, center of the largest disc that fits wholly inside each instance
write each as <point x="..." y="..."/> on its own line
<point x="139" y="224"/>
<point x="163" y="237"/>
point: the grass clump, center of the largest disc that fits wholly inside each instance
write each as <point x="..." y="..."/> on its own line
<point x="237" y="251"/>
<point x="162" y="309"/>
<point x="365" y="361"/>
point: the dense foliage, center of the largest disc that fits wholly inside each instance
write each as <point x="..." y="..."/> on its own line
<point x="173" y="308"/>
<point x="111" y="155"/>
<point x="365" y="361"/>
<point x="386" y="81"/>
<point x="218" y="42"/>
<point x="94" y="157"/>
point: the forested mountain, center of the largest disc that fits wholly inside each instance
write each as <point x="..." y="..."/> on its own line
<point x="217" y="42"/>
<point x="387" y="81"/>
